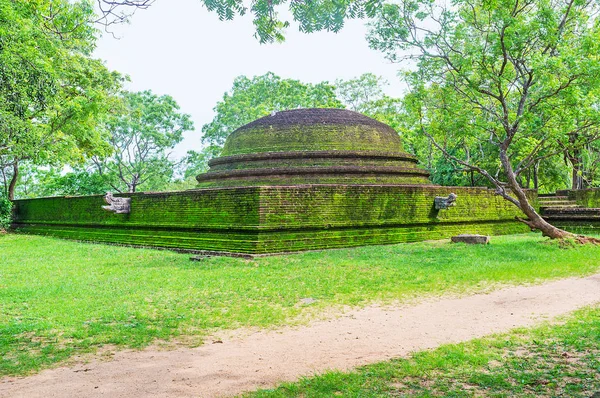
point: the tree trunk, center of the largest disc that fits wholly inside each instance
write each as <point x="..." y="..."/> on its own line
<point x="13" y="181"/>
<point x="4" y="180"/>
<point x="577" y="181"/>
<point x="576" y="175"/>
<point x="535" y="221"/>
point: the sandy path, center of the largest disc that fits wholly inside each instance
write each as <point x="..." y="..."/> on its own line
<point x="264" y="359"/>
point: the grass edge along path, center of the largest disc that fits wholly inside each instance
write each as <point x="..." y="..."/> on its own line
<point x="60" y="298"/>
<point x="561" y="358"/>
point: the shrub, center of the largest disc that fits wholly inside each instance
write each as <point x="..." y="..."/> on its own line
<point x="5" y="213"/>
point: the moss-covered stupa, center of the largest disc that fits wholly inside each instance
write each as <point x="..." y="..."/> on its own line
<point x="313" y="146"/>
<point x="295" y="180"/>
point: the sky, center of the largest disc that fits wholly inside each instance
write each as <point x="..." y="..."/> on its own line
<point x="177" y="47"/>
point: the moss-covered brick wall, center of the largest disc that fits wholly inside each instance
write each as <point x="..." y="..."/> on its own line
<point x="376" y="205"/>
<point x="210" y="219"/>
<point x="589" y="198"/>
<point x="584" y="227"/>
<point x="272" y="219"/>
<point x="214" y="208"/>
<point x="313" y="130"/>
<point x="318" y="216"/>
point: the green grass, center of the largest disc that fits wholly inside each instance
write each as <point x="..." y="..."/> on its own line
<point x="551" y="360"/>
<point x="60" y="298"/>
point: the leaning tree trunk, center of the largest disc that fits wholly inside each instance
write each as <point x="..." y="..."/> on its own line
<point x="534" y="221"/>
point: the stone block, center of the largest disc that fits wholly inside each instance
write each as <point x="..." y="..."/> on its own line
<point x="471" y="239"/>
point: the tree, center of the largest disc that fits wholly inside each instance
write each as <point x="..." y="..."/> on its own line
<point x="590" y="164"/>
<point x="582" y="146"/>
<point x="361" y="93"/>
<point x="140" y="135"/>
<point x="196" y="163"/>
<point x="250" y="99"/>
<point x="51" y="91"/>
<point x="365" y="94"/>
<point x="312" y="16"/>
<point x="521" y="76"/>
<point x="5" y="213"/>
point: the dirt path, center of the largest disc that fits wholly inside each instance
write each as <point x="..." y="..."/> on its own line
<point x="264" y="359"/>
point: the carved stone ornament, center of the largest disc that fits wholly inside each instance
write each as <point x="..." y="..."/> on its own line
<point x="443" y="203"/>
<point x="117" y="205"/>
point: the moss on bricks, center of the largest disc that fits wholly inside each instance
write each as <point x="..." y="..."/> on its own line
<point x="272" y="219"/>
<point x="313" y="129"/>
<point x="313" y="146"/>
<point x="589" y="198"/>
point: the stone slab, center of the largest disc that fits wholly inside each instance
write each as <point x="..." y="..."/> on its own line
<point x="471" y="239"/>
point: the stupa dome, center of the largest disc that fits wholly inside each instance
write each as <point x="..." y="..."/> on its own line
<point x="313" y="146"/>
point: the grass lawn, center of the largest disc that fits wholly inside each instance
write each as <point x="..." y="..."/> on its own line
<point x="60" y="298"/>
<point x="550" y="361"/>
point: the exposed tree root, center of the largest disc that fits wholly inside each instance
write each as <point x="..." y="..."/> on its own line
<point x="582" y="239"/>
<point x="557" y="233"/>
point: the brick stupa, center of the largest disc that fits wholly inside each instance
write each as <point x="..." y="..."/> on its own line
<point x="314" y="146"/>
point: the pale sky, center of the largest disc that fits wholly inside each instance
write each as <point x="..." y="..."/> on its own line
<point x="177" y="47"/>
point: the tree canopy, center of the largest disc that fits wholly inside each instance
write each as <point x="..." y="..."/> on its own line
<point x="141" y="135"/>
<point x="52" y="93"/>
<point x="520" y="78"/>
<point x="253" y="98"/>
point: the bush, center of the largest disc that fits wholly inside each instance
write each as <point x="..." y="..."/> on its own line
<point x="5" y="213"/>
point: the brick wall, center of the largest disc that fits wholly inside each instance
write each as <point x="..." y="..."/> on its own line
<point x="272" y="219"/>
<point x="589" y="198"/>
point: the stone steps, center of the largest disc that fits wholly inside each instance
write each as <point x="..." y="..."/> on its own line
<point x="578" y="213"/>
<point x="560" y="204"/>
<point x="552" y="198"/>
<point x="560" y="208"/>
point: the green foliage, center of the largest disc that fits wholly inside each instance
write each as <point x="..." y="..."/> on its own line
<point x="361" y="93"/>
<point x="197" y="162"/>
<point x="5" y="213"/>
<point x="36" y="182"/>
<point x="131" y="297"/>
<point x="250" y="99"/>
<point x="365" y="95"/>
<point x="52" y="91"/>
<point x="141" y="134"/>
<point x="469" y="64"/>
<point x="559" y="359"/>
<point x="489" y="75"/>
<point x="312" y="16"/>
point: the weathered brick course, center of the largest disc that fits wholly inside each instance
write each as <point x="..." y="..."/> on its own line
<point x="272" y="219"/>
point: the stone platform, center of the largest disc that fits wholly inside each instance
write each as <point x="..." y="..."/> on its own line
<point x="259" y="220"/>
